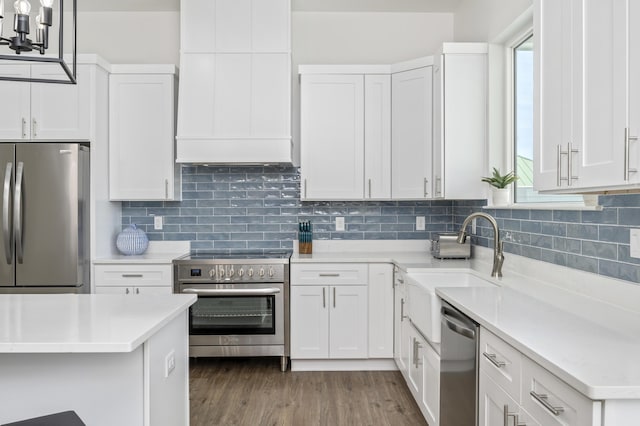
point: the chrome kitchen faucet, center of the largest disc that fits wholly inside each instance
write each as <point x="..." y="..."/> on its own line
<point x="498" y="256"/>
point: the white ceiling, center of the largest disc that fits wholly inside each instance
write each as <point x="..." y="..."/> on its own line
<point x="298" y="5"/>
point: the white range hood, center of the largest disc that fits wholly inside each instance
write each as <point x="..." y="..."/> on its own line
<point x="234" y="102"/>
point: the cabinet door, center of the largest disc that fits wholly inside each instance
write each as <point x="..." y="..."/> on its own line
<point x="141" y="137"/>
<point x="377" y="136"/>
<point x="438" y="126"/>
<point x="498" y="408"/>
<point x="412" y="134"/>
<point x="553" y="57"/>
<point x="15" y="114"/>
<point x="61" y="111"/>
<point x="309" y="322"/>
<point x="634" y="92"/>
<point x="348" y="322"/>
<point x="399" y="328"/>
<point x="414" y="368"/>
<point x="430" y="398"/>
<point x="332" y="137"/>
<point x="381" y="311"/>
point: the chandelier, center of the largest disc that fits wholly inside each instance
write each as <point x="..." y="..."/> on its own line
<point x="20" y="42"/>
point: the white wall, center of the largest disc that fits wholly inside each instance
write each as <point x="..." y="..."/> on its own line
<point x="485" y="20"/>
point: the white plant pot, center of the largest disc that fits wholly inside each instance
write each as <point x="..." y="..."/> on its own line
<point x="501" y="196"/>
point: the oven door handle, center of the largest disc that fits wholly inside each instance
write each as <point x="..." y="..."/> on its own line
<point x="232" y="291"/>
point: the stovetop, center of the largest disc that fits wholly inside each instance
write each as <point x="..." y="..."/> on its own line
<point x="280" y="256"/>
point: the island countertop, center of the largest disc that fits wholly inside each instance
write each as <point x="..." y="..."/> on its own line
<point x="85" y="323"/>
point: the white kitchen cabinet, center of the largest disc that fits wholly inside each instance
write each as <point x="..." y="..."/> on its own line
<point x="459" y="121"/>
<point x="381" y="310"/>
<point x="345" y="134"/>
<point x="583" y="60"/>
<point x="329" y="321"/>
<point x="46" y="111"/>
<point x="141" y="133"/>
<point x="411" y="147"/>
<point x="235" y="91"/>
<point x="511" y="382"/>
<point x="424" y="376"/>
<point x="401" y="340"/>
<point x="128" y="278"/>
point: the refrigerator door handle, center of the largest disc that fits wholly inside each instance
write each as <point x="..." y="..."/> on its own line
<point x="6" y="214"/>
<point x="17" y="211"/>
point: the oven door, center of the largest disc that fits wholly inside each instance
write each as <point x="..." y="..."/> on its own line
<point x="236" y="314"/>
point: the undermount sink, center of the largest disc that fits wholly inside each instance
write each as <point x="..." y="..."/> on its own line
<point x="423" y="303"/>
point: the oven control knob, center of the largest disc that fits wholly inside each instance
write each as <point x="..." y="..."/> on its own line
<point x="241" y="273"/>
<point x="232" y="272"/>
<point x="221" y="272"/>
<point x="250" y="272"/>
<point x="212" y="273"/>
<point x="271" y="272"/>
<point x="261" y="273"/>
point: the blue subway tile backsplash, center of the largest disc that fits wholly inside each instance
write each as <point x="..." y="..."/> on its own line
<point x="240" y="208"/>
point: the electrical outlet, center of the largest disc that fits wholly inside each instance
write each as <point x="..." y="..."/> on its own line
<point x="340" y="223"/>
<point x="634" y="239"/>
<point x="157" y="222"/>
<point x="169" y="363"/>
<point x="420" y="223"/>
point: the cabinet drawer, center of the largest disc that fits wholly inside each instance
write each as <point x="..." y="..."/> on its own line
<point x="553" y="402"/>
<point x="133" y="275"/>
<point x="501" y="362"/>
<point x="329" y="274"/>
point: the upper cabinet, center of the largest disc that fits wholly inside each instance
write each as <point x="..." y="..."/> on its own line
<point x="346" y="129"/>
<point x="234" y="101"/>
<point x="411" y="159"/>
<point x="587" y="111"/>
<point x="142" y="132"/>
<point x="42" y="110"/>
<point x="460" y="121"/>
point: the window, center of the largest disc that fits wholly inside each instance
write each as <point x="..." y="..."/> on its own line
<point x="523" y="127"/>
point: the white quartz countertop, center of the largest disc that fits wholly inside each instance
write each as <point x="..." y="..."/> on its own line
<point x="147" y="258"/>
<point x="594" y="347"/>
<point x="86" y="323"/>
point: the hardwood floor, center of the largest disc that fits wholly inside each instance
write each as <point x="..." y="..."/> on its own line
<point x="253" y="391"/>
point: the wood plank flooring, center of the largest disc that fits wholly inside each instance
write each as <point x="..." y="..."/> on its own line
<point x="253" y="391"/>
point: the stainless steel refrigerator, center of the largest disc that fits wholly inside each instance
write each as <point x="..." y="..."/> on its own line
<point x="45" y="217"/>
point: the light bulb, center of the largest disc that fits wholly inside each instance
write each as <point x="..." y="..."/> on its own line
<point x="22" y="7"/>
<point x="39" y="21"/>
<point x="1" y="8"/>
<point x="46" y="3"/>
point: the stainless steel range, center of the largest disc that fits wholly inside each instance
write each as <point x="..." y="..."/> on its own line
<point x="243" y="303"/>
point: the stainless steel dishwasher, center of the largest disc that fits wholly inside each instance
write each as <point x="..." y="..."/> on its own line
<point x="458" y="368"/>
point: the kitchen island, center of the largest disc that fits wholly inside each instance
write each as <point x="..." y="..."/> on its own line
<point x="113" y="359"/>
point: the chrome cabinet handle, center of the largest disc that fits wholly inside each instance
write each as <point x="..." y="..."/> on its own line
<point x="559" y="166"/>
<point x="17" y="211"/>
<point x="402" y="317"/>
<point x="328" y="275"/>
<point x="369" y="188"/>
<point x="132" y="275"/>
<point x="24" y="128"/>
<point x="305" y="188"/>
<point x="400" y="280"/>
<point x="34" y="128"/>
<point x="334" y="297"/>
<point x="438" y="186"/>
<point x="507" y="414"/>
<point x="126" y="291"/>
<point x="542" y="399"/>
<point x="166" y="188"/>
<point x="137" y="290"/>
<point x="426" y="193"/>
<point x="6" y="214"/>
<point x="233" y="291"/>
<point x="570" y="152"/>
<point x="627" y="167"/>
<point x="494" y="361"/>
<point x="324" y="297"/>
<point x="416" y="352"/>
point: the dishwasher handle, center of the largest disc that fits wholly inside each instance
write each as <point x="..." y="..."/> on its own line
<point x="458" y="323"/>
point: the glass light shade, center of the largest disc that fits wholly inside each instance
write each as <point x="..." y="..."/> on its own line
<point x="46" y="3"/>
<point x="22" y="7"/>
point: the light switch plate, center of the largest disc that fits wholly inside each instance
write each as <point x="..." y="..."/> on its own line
<point x="157" y="222"/>
<point x="420" y="223"/>
<point x="340" y="223"/>
<point x="634" y="239"/>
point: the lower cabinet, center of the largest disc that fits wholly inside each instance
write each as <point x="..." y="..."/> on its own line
<point x="424" y="375"/>
<point x="514" y="390"/>
<point x="329" y="322"/>
<point x="400" y="324"/>
<point x="128" y="278"/>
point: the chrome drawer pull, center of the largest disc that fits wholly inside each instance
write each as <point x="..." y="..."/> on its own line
<point x="494" y="361"/>
<point x="132" y="275"/>
<point x="542" y="399"/>
<point x="329" y="275"/>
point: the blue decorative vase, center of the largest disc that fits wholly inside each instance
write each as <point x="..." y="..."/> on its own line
<point x="132" y="241"/>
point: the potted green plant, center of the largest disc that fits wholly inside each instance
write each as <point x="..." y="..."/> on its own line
<point x="500" y="186"/>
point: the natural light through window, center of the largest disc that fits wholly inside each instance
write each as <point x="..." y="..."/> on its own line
<point x="523" y="128"/>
